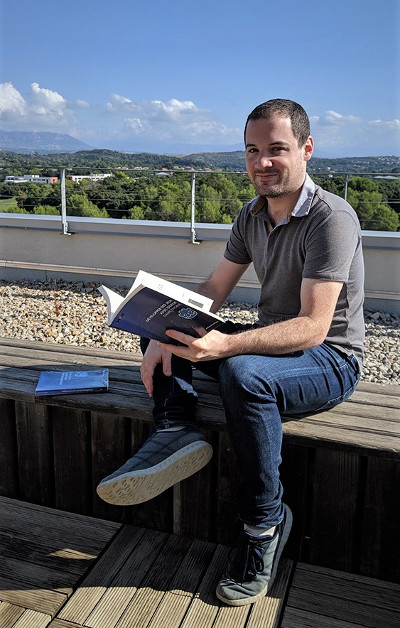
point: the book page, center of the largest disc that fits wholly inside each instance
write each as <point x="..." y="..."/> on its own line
<point x="170" y="289"/>
<point x="113" y="301"/>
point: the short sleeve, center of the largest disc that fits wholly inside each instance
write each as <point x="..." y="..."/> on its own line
<point x="236" y="250"/>
<point x="331" y="245"/>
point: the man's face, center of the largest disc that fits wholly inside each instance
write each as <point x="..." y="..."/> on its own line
<point x="274" y="162"/>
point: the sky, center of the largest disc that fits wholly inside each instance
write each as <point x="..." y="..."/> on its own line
<point x="182" y="76"/>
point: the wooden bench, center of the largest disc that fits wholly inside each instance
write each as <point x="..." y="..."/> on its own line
<point x="340" y="470"/>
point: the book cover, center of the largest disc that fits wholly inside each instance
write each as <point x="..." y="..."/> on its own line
<point x="154" y="305"/>
<point x="68" y="382"/>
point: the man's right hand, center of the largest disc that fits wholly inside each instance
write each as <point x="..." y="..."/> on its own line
<point x="154" y="355"/>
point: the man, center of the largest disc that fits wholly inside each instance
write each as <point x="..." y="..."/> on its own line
<point x="304" y="355"/>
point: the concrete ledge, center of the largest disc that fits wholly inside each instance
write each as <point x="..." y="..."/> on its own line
<point x="113" y="251"/>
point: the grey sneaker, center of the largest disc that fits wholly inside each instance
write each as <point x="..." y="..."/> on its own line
<point x="252" y="569"/>
<point x="166" y="458"/>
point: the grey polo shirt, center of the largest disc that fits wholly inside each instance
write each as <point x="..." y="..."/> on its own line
<point x="319" y="239"/>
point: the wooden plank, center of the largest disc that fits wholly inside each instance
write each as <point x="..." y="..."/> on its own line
<point x="205" y="605"/>
<point x="362" y="424"/>
<point x="295" y="472"/>
<point x="13" y="344"/>
<point x="32" y="619"/>
<point x="39" y="599"/>
<point x="192" y="502"/>
<point x="380" y="539"/>
<point x="228" y="616"/>
<point x="383" y="591"/>
<point x="380" y="412"/>
<point x="227" y="490"/>
<point x="157" y="513"/>
<point x="109" y="451"/>
<point x="311" y="433"/>
<point x="45" y="553"/>
<point x="34" y="445"/>
<point x="115" y="600"/>
<point x="9" y="613"/>
<point x="179" y="595"/>
<point x="333" y="526"/>
<point x="94" y="586"/>
<point x="296" y="618"/>
<point x="62" y="623"/>
<point x="39" y="577"/>
<point x="72" y="485"/>
<point x="363" y="602"/>
<point x="268" y="611"/>
<point x="148" y="597"/>
<point x="9" y="478"/>
<point x="37" y="523"/>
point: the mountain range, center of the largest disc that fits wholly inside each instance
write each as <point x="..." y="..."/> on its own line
<point x="53" y="149"/>
<point x="27" y="142"/>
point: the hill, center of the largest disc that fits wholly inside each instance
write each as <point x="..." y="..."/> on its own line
<point x="27" y="142"/>
<point x="223" y="161"/>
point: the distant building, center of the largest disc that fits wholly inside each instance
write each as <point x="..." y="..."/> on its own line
<point x="30" y="178"/>
<point x="97" y="178"/>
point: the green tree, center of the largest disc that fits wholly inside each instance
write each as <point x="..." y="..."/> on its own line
<point x="14" y="209"/>
<point x="136" y="213"/>
<point x="47" y="210"/>
<point x="79" y="205"/>
<point x="367" y="201"/>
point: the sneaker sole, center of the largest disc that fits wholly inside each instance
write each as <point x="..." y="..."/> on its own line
<point x="251" y="600"/>
<point x="140" y="486"/>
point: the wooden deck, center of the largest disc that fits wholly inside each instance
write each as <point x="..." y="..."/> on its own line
<point x="65" y="570"/>
<point x="340" y="470"/>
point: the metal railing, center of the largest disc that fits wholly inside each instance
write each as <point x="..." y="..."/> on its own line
<point x="344" y="176"/>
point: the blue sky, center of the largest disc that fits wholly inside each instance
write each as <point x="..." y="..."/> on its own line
<point x="176" y="76"/>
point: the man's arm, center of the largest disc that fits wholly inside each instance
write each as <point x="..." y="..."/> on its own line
<point x="221" y="282"/>
<point x="308" y="329"/>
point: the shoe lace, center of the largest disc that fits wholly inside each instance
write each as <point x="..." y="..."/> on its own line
<point x="247" y="560"/>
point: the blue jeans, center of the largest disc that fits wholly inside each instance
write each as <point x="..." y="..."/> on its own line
<point x="256" y="390"/>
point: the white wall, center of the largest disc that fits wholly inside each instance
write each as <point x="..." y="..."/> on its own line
<point x="112" y="251"/>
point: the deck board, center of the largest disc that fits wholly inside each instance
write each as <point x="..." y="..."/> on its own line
<point x="146" y="579"/>
<point x="43" y="553"/>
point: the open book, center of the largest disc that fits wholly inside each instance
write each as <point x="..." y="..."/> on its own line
<point x="154" y="305"/>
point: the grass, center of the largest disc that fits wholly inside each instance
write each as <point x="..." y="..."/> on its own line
<point x="6" y="203"/>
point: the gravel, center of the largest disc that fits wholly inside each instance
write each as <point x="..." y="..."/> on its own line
<point x="75" y="314"/>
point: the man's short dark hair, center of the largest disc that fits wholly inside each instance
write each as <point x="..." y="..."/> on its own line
<point x="286" y="109"/>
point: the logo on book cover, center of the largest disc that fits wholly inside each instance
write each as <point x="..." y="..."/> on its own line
<point x="187" y="312"/>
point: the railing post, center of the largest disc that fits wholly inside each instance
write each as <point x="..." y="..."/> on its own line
<point x="346" y="184"/>
<point x="193" y="238"/>
<point x="63" y="204"/>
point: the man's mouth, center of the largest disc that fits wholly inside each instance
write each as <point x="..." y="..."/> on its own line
<point x="265" y="175"/>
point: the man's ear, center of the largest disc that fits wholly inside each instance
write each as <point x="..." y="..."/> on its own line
<point x="308" y="148"/>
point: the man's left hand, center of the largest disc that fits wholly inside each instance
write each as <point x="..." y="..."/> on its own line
<point x="211" y="346"/>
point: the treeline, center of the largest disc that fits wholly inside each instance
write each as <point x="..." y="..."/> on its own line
<point x="233" y="161"/>
<point x="218" y="197"/>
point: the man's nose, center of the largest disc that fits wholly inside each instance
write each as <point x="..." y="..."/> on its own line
<point x="264" y="161"/>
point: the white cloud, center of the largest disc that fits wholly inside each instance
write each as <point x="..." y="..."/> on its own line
<point x="387" y="124"/>
<point x="42" y="110"/>
<point x="173" y="120"/>
<point x="11" y="102"/>
<point x="333" y="117"/>
<point x="82" y="104"/>
<point x="45" y="101"/>
<point x="348" y="134"/>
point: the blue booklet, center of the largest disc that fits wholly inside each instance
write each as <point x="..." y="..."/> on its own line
<point x="154" y="305"/>
<point x="69" y="382"/>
